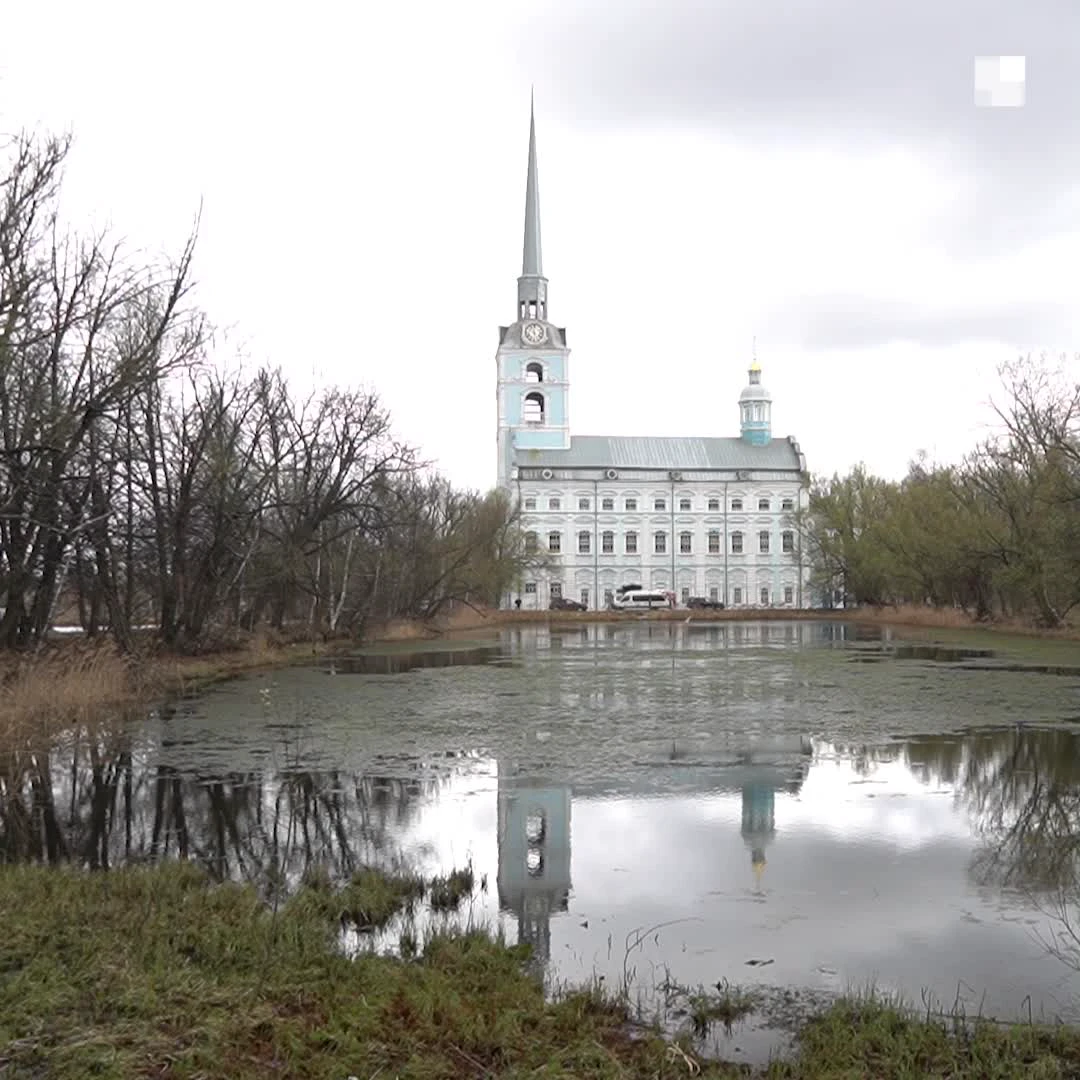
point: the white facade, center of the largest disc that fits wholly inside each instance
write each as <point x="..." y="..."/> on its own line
<point x="706" y="517"/>
<point x="731" y="541"/>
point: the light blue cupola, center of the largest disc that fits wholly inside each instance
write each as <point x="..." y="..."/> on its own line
<point x="755" y="410"/>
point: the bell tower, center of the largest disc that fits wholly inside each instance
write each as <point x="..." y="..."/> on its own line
<point x="532" y="359"/>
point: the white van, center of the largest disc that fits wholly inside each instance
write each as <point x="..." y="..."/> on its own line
<point x="640" y="600"/>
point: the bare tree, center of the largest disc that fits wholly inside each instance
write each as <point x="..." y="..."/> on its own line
<point x="83" y="330"/>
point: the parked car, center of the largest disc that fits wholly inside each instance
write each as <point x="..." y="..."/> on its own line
<point x="563" y="603"/>
<point x="705" y="602"/>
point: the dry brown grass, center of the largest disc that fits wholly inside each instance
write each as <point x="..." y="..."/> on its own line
<point x="74" y="683"/>
<point x="65" y="686"/>
<point x="952" y="619"/>
<point x="459" y="619"/>
<point x="185" y="673"/>
<point x="400" y="630"/>
<point x="466" y="619"/>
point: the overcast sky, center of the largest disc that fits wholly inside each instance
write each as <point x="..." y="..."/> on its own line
<point x="815" y="175"/>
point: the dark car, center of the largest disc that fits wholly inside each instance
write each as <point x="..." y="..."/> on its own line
<point x="561" y="603"/>
<point x="705" y="602"/>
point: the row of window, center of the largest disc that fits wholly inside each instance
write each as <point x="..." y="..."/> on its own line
<point x="764" y="595"/>
<point x="630" y="504"/>
<point x="660" y="542"/>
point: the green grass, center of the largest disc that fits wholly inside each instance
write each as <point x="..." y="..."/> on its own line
<point x="874" y="1037"/>
<point x="156" y="972"/>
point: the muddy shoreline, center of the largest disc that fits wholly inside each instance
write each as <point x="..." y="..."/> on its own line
<point x="467" y="619"/>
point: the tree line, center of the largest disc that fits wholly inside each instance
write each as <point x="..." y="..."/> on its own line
<point x="141" y="484"/>
<point x="997" y="535"/>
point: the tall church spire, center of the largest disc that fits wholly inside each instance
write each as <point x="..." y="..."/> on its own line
<point x="531" y="259"/>
<point x="532" y="285"/>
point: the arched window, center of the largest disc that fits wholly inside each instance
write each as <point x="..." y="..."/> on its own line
<point x="554" y="542"/>
<point x="534" y="372"/>
<point x="535" y="827"/>
<point x="584" y="543"/>
<point x="686" y="541"/>
<point x="736" y="543"/>
<point x="534" y="408"/>
<point x="531" y="544"/>
<point x="660" y="543"/>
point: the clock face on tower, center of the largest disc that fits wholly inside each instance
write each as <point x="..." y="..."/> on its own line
<point x="533" y="333"/>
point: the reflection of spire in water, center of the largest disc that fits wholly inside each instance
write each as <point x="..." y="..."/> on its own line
<point x="758" y="863"/>
<point x="758" y="823"/>
<point x="534" y="855"/>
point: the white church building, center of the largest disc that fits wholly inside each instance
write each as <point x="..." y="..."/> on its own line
<point x="707" y="516"/>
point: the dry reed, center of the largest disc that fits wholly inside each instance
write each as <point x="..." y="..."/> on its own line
<point x="900" y="615"/>
<point x="76" y="683"/>
<point x="950" y="618"/>
<point x="63" y="687"/>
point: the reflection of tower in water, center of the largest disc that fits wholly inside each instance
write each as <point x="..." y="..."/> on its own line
<point x="776" y="764"/>
<point x="534" y="855"/>
<point x="758" y="823"/>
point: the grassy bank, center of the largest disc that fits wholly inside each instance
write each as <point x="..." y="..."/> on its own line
<point x="156" y="972"/>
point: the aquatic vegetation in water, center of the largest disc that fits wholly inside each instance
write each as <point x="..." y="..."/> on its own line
<point x="702" y="1008"/>
<point x="448" y="892"/>
<point x="368" y="901"/>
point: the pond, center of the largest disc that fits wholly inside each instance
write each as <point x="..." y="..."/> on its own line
<point x="795" y="805"/>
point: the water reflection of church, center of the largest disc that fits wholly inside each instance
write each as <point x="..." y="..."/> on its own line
<point x="534" y="826"/>
<point x="534" y="855"/>
<point x="759" y="785"/>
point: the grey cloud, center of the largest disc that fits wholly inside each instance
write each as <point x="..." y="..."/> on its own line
<point x="858" y="322"/>
<point x="838" y="73"/>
